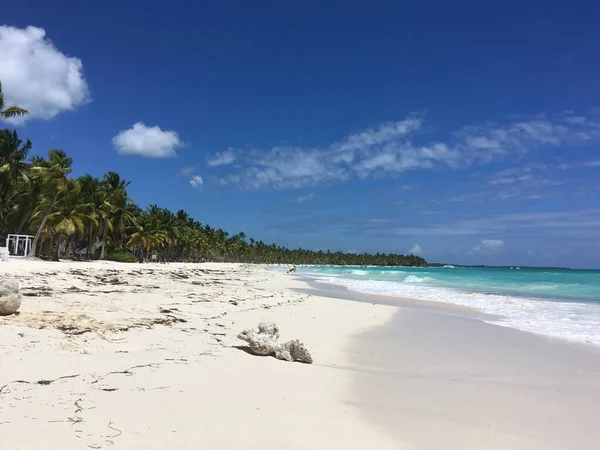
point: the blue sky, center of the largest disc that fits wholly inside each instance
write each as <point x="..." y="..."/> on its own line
<point x="467" y="133"/>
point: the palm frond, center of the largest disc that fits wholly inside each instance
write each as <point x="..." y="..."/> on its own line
<point x="13" y="111"/>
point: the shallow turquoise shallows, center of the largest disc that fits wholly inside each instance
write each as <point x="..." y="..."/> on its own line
<point x="554" y="302"/>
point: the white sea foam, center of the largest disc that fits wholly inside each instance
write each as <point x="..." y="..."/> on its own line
<point x="359" y="272"/>
<point x="540" y="287"/>
<point x="416" y="279"/>
<point x="574" y="321"/>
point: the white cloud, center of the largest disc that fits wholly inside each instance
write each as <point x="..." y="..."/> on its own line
<point x="384" y="133"/>
<point x="222" y="159"/>
<point x="392" y="148"/>
<point x="492" y="243"/>
<point x="487" y="245"/>
<point x="595" y="163"/>
<point x="151" y="142"/>
<point x="292" y="167"/>
<point x="194" y="179"/>
<point x="303" y="198"/>
<point x="197" y="181"/>
<point x="36" y="76"/>
<point x="416" y="250"/>
<point x="527" y="182"/>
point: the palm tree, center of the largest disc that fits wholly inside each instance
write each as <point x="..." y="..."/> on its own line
<point x="68" y="216"/>
<point x="53" y="174"/>
<point x="13" y="155"/>
<point x="90" y="194"/>
<point x="199" y="242"/>
<point x="13" y="167"/>
<point x="113" y="210"/>
<point x="148" y="233"/>
<point x="23" y="200"/>
<point x="11" y="111"/>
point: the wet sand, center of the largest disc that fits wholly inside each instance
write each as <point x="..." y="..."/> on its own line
<point x="438" y="377"/>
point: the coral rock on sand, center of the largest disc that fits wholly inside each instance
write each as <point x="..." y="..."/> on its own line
<point x="10" y="298"/>
<point x="264" y="342"/>
<point x="269" y="328"/>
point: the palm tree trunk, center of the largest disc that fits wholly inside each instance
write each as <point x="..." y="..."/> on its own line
<point x="55" y="256"/>
<point x="42" y="226"/>
<point x="90" y="236"/>
<point x="22" y="223"/>
<point x="103" y="240"/>
<point x="70" y="244"/>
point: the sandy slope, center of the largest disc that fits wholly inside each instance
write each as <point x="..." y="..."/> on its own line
<point x="107" y="355"/>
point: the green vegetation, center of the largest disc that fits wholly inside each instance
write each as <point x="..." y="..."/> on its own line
<point x="91" y="218"/>
<point x="121" y="255"/>
<point x="11" y="111"/>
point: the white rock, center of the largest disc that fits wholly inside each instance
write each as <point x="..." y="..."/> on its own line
<point x="10" y="298"/>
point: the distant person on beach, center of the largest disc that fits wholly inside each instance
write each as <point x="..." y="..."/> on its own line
<point x="292" y="269"/>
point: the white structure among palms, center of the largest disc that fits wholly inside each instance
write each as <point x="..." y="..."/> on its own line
<point x="19" y="244"/>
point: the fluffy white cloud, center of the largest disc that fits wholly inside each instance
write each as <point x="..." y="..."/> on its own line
<point x="194" y="179"/>
<point x="416" y="250"/>
<point x="36" y="76"/>
<point x="197" y="181"/>
<point x="223" y="158"/>
<point x="147" y="141"/>
<point x="392" y="148"/>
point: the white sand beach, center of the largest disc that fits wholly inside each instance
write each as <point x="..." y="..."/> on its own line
<point x="108" y="355"/>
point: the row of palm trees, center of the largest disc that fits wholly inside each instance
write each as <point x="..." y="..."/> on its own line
<point x="90" y="217"/>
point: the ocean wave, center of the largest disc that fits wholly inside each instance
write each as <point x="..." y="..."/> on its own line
<point x="541" y="287"/>
<point x="567" y="320"/>
<point x="359" y="272"/>
<point x="416" y="279"/>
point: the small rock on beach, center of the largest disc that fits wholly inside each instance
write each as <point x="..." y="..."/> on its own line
<point x="10" y="298"/>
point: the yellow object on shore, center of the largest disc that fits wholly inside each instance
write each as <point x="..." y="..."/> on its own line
<point x="292" y="269"/>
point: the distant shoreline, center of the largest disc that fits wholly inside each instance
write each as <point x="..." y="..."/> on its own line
<point x="441" y="265"/>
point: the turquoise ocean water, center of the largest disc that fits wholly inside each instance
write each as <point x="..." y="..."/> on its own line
<point x="553" y="302"/>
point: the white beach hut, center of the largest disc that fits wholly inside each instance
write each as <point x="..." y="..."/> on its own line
<point x="18" y="245"/>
